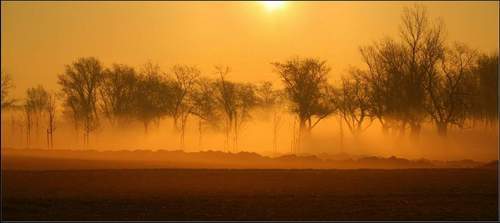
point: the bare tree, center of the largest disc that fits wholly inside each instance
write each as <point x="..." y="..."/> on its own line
<point x="398" y="70"/>
<point x="185" y="78"/>
<point x="354" y="102"/>
<point x="272" y="101"/>
<point x="245" y="102"/>
<point x="6" y="86"/>
<point x="80" y="84"/>
<point x="153" y="97"/>
<point x="205" y="105"/>
<point x="117" y="90"/>
<point x="449" y="96"/>
<point x="306" y="86"/>
<point x="384" y="78"/>
<point x="226" y="99"/>
<point x="6" y="101"/>
<point x="28" y="117"/>
<point x="235" y="100"/>
<point x="51" y="118"/>
<point x="36" y="102"/>
<point x="422" y="43"/>
<point x="486" y="103"/>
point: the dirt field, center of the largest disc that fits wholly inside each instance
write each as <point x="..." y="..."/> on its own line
<point x="167" y="194"/>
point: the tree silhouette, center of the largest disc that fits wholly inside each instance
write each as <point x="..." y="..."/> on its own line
<point x="246" y="100"/>
<point x="226" y="99"/>
<point x="153" y="98"/>
<point x="272" y="101"/>
<point x="28" y="114"/>
<point x="80" y="84"/>
<point x="422" y="43"/>
<point x="185" y="78"/>
<point x="205" y="105"/>
<point x="35" y="105"/>
<point x="117" y="90"/>
<point x="449" y="90"/>
<point x="235" y="100"/>
<point x="50" y="108"/>
<point x="398" y="70"/>
<point x="487" y="80"/>
<point x="384" y="78"/>
<point x="353" y="102"/>
<point x="306" y="86"/>
<point x="6" y="86"/>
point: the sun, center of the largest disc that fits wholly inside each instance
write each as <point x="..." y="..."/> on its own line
<point x="272" y="5"/>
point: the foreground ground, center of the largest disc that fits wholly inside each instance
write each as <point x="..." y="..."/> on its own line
<point x="176" y="194"/>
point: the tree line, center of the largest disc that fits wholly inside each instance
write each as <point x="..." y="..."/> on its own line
<point x="404" y="82"/>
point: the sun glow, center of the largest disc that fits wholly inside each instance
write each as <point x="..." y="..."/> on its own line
<point x="272" y="5"/>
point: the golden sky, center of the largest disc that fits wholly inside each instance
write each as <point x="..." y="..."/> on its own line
<point x="39" y="38"/>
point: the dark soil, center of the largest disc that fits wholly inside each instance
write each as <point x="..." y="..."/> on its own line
<point x="176" y="194"/>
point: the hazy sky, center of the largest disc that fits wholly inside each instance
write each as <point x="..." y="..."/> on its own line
<point x="39" y="38"/>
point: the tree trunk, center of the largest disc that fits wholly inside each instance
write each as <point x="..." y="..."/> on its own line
<point x="235" y="144"/>
<point x="51" y="139"/>
<point x="176" y="128"/>
<point x="341" y="134"/>
<point x="385" y="130"/>
<point x="275" y="133"/>
<point x="200" y="132"/>
<point x="28" y="135"/>
<point x="4" y="134"/>
<point x="302" y="129"/>
<point x="415" y="131"/>
<point x="183" y="130"/>
<point x="146" y="127"/>
<point x="442" y="129"/>
<point x="294" y="137"/>
<point x="402" y="129"/>
<point x="227" y="142"/>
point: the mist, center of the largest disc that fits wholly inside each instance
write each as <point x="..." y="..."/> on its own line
<point x="416" y="95"/>
<point x="477" y="143"/>
<point x="259" y="111"/>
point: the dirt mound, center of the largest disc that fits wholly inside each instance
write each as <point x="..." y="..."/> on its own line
<point x="491" y="165"/>
<point x="38" y="159"/>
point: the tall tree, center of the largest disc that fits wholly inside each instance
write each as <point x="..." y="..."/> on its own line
<point x="28" y="117"/>
<point x="226" y="100"/>
<point x="50" y="109"/>
<point x="153" y="98"/>
<point x="235" y="100"/>
<point x="486" y="71"/>
<point x="306" y="86"/>
<point x="205" y="106"/>
<point x="117" y="90"/>
<point x="6" y="86"/>
<point x="384" y="78"/>
<point x="354" y="102"/>
<point x="397" y="70"/>
<point x="422" y="41"/>
<point x="272" y="101"/>
<point x="185" y="78"/>
<point x="35" y="105"/>
<point x="80" y="84"/>
<point x="449" y="89"/>
<point x="246" y="100"/>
